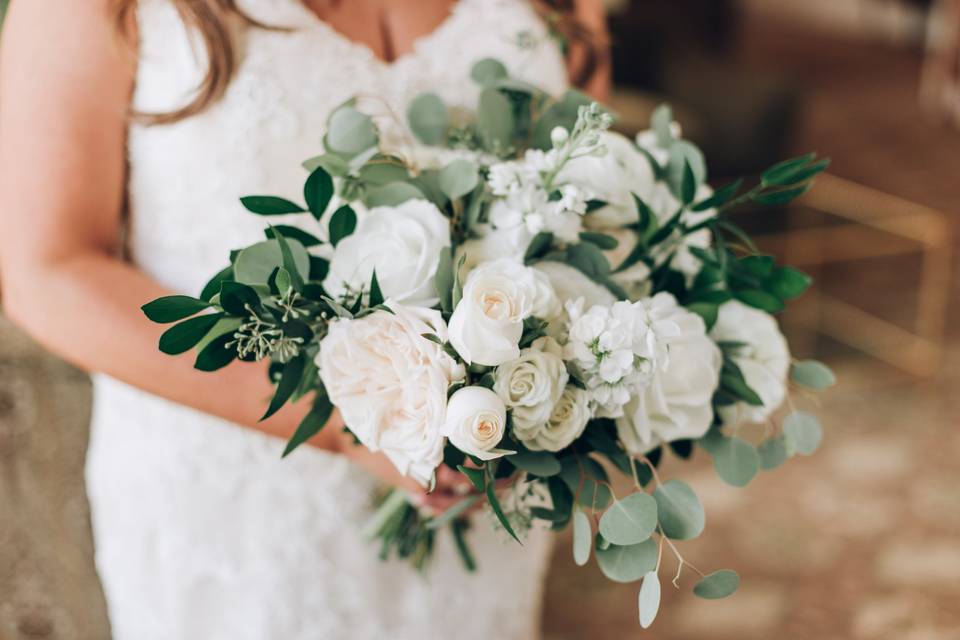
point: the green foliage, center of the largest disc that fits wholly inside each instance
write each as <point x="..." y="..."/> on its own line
<point x="582" y="537"/>
<point x="312" y="423"/>
<point x="488" y="72"/>
<point x="317" y="191"/>
<point x="627" y="563"/>
<point x="542" y="464"/>
<point x="630" y="520"/>
<point x="216" y="354"/>
<point x="736" y="461"/>
<point x="718" y="584"/>
<point x="495" y="120"/>
<point x="289" y="381"/>
<point x="392" y="194"/>
<point x="648" y="601"/>
<point x="428" y="118"/>
<point x="270" y="205"/>
<point x="173" y="308"/>
<point x="185" y="335"/>
<point x="350" y="132"/>
<point x="458" y="178"/>
<point x="802" y="432"/>
<point x="773" y="453"/>
<point x="812" y="374"/>
<point x="680" y="512"/>
<point x="343" y="222"/>
<point x="255" y="264"/>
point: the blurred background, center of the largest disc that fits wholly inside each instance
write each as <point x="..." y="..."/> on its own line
<point x="861" y="540"/>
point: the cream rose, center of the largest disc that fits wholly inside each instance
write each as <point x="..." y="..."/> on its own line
<point x="487" y="323"/>
<point x="677" y="403"/>
<point x="476" y="422"/>
<point x="402" y="244"/>
<point x="764" y="359"/>
<point x="569" y="418"/>
<point x="390" y="384"/>
<point x="531" y="385"/>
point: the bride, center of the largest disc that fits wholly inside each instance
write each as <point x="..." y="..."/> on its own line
<point x="129" y="130"/>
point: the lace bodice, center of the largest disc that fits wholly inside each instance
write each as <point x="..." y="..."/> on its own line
<point x="202" y="531"/>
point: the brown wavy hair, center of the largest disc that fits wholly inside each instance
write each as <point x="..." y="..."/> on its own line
<point x="214" y="22"/>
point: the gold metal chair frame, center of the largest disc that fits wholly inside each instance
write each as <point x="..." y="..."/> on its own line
<point x="873" y="225"/>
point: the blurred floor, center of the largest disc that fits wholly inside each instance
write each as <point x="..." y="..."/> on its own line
<point x="862" y="540"/>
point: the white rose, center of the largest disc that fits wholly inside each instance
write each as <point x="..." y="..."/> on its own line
<point x="764" y="360"/>
<point x="390" y="384"/>
<point x="570" y="284"/>
<point x="492" y="245"/>
<point x="613" y="178"/>
<point x="677" y="403"/>
<point x="402" y="243"/>
<point x="476" y="422"/>
<point x="487" y="323"/>
<point x="531" y="385"/>
<point x="567" y="422"/>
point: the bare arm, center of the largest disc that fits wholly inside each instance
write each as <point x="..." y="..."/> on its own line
<point x="593" y="16"/>
<point x="65" y="85"/>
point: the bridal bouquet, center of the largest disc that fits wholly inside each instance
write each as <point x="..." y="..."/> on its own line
<point x="524" y="296"/>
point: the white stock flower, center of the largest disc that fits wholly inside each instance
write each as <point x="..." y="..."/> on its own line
<point x="487" y="323"/>
<point x="390" y="383"/>
<point x="677" y="402"/>
<point x="476" y="422"/>
<point x="402" y="243"/>
<point x="617" y="348"/>
<point x="764" y="359"/>
<point x="531" y="385"/>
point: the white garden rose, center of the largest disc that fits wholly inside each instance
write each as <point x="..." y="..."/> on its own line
<point x="567" y="422"/>
<point x="476" y="422"/>
<point x="402" y="243"/>
<point x="487" y="323"/>
<point x="531" y="385"/>
<point x="613" y="178"/>
<point x="764" y="359"/>
<point x="390" y="383"/>
<point x="677" y="402"/>
<point x="569" y="283"/>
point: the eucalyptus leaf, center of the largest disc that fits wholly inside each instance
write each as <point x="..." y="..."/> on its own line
<point x="317" y="191"/>
<point x="773" y="452"/>
<point x="392" y="194"/>
<point x="459" y="178"/>
<point x="803" y="430"/>
<point x="812" y="374"/>
<point x="630" y="520"/>
<point x="736" y="461"/>
<point x="582" y="537"/>
<point x="627" y="564"/>
<point x="488" y="72"/>
<point x="718" y="584"/>
<point x="679" y="510"/>
<point x="427" y="115"/>
<point x="350" y="132"/>
<point x="343" y="222"/>
<point x="255" y="264"/>
<point x="539" y="463"/>
<point x="649" y="599"/>
<point x="495" y="120"/>
<point x="661" y="122"/>
<point x="270" y="205"/>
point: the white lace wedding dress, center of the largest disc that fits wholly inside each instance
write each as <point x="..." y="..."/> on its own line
<point x="202" y="532"/>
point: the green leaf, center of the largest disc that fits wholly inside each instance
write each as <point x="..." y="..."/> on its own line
<point x="255" y="264"/>
<point x="582" y="537"/>
<point x="185" y="335"/>
<point x="781" y="196"/>
<point x="498" y="510"/>
<point x="452" y="513"/>
<point x="427" y="115"/>
<point x="782" y="173"/>
<point x="318" y="191"/>
<point x="772" y="452"/>
<point x="759" y="300"/>
<point x="459" y="178"/>
<point x="495" y="119"/>
<point x="803" y="430"/>
<point x="392" y="195"/>
<point x="594" y="495"/>
<point x="685" y="157"/>
<point x="443" y="280"/>
<point x="234" y="298"/>
<point x="788" y="283"/>
<point x="736" y="461"/>
<point x="589" y="260"/>
<point x="759" y="265"/>
<point x="721" y="196"/>
<point x="812" y="374"/>
<point x="602" y="240"/>
<point x="538" y="247"/>
<point x="288" y="262"/>
<point x="733" y="383"/>
<point x="384" y="170"/>
<point x="289" y="381"/>
<point x="627" y="564"/>
<point x="630" y="520"/>
<point x="679" y="510"/>
<point x="649" y="599"/>
<point x="343" y="222"/>
<point x="216" y="354"/>
<point x="562" y="113"/>
<point x="539" y="463"/>
<point x="293" y="233"/>
<point x="376" y="296"/>
<point x="334" y="164"/>
<point x="488" y="72"/>
<point x="312" y="423"/>
<point x="688" y="184"/>
<point x="709" y="312"/>
<point x="270" y="205"/>
<point x="350" y="132"/>
<point x="212" y="287"/>
<point x="476" y="477"/>
<point x="718" y="584"/>
<point x="173" y="308"/>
